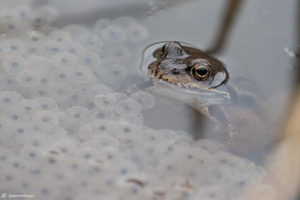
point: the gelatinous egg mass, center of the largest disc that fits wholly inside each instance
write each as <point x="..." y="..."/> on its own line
<point x="68" y="132"/>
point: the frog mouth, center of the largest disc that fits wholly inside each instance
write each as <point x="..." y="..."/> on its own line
<point x="198" y="87"/>
<point x="188" y="88"/>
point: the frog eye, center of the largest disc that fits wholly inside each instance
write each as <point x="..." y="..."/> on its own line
<point x="201" y="70"/>
<point x="164" y="50"/>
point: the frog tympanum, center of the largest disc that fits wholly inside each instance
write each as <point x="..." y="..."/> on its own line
<point x="235" y="105"/>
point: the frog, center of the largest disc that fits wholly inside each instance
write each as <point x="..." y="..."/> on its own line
<point x="235" y="105"/>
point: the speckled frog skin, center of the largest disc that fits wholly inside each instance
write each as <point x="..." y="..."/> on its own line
<point x="236" y="106"/>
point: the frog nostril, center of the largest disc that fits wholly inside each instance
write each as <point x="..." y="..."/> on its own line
<point x="175" y="71"/>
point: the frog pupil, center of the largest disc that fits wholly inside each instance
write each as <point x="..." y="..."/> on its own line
<point x="202" y="71"/>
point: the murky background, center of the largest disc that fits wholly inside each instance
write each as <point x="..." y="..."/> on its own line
<point x="81" y="134"/>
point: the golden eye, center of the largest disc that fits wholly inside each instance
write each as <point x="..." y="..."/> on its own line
<point x="164" y="50"/>
<point x="201" y="70"/>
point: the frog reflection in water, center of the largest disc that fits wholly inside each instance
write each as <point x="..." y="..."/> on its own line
<point x="235" y="107"/>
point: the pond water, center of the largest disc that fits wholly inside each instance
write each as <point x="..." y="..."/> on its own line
<point x="73" y="124"/>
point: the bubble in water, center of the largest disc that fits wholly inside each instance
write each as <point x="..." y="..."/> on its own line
<point x="145" y="99"/>
<point x="127" y="107"/>
<point x="45" y="119"/>
<point x="14" y="64"/>
<point x="28" y="78"/>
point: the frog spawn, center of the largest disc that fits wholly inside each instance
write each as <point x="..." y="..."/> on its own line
<point x="61" y="126"/>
